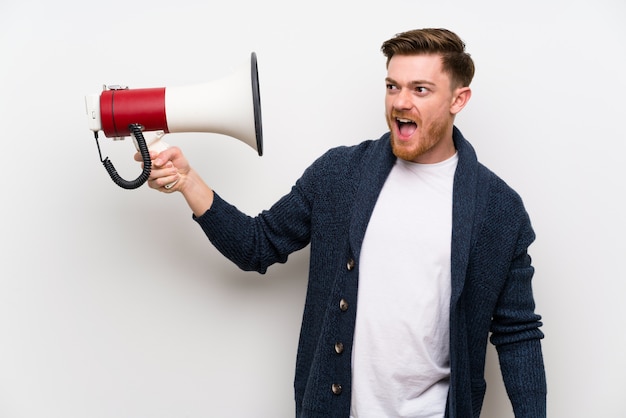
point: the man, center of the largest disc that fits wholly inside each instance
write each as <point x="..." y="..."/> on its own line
<point x="418" y="252"/>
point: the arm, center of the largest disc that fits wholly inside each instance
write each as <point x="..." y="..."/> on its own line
<point x="516" y="335"/>
<point x="253" y="243"/>
<point x="171" y="167"/>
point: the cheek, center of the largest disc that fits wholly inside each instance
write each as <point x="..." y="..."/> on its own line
<point x="434" y="114"/>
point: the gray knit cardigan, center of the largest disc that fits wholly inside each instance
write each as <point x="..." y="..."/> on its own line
<point x="329" y="208"/>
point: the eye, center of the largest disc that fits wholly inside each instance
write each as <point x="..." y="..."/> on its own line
<point x="391" y="86"/>
<point x="421" y="90"/>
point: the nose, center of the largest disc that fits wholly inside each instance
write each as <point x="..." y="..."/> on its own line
<point x="402" y="100"/>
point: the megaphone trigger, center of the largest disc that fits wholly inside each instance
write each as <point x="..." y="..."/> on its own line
<point x="169" y="186"/>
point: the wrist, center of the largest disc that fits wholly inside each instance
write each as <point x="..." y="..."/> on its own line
<point x="197" y="193"/>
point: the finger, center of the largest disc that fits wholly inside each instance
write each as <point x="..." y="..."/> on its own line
<point x="163" y="176"/>
<point x="139" y="157"/>
<point x="166" y="155"/>
<point x="163" y="169"/>
<point x="164" y="184"/>
<point x="160" y="176"/>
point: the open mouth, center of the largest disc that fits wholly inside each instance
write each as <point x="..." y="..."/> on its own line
<point x="406" y="127"/>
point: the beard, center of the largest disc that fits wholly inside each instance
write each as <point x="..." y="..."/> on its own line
<point x="427" y="137"/>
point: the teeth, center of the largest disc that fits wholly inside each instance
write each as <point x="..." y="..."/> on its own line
<point x="405" y="120"/>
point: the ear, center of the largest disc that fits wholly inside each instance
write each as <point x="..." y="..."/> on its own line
<point x="460" y="99"/>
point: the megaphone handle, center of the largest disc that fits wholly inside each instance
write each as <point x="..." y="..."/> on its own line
<point x="158" y="145"/>
<point x="147" y="163"/>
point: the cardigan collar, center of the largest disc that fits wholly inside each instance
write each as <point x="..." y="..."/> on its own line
<point x="376" y="167"/>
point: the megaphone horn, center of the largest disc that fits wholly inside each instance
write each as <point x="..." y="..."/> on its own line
<point x="229" y="106"/>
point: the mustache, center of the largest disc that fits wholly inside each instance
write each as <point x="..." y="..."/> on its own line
<point x="399" y="114"/>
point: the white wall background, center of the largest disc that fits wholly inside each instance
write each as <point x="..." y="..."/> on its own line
<point x="114" y="304"/>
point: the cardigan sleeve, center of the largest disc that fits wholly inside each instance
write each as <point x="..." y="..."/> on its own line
<point x="516" y="335"/>
<point x="255" y="243"/>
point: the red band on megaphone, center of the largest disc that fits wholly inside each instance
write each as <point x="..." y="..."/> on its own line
<point x="121" y="108"/>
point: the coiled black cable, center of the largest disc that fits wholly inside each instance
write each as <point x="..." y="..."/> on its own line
<point x="145" y="154"/>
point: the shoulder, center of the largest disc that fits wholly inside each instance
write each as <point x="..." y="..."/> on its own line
<point x="502" y="212"/>
<point x="500" y="192"/>
<point x="471" y="170"/>
<point x="498" y="207"/>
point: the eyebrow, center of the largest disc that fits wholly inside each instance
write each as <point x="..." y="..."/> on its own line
<point x="412" y="83"/>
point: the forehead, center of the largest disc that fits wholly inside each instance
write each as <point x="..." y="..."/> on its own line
<point x="411" y="68"/>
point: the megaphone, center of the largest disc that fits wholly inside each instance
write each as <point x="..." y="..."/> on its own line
<point x="229" y="106"/>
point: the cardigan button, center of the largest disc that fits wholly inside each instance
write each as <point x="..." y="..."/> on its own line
<point x="338" y="347"/>
<point x="350" y="264"/>
<point x="336" y="388"/>
<point x="343" y="305"/>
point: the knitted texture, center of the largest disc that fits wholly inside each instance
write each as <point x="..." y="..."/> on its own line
<point x="329" y="208"/>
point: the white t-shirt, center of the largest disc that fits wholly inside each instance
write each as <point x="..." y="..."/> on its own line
<point x="400" y="358"/>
